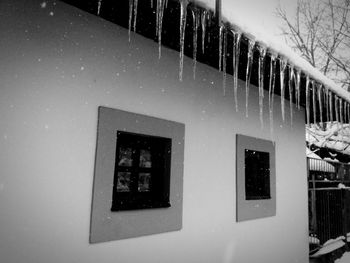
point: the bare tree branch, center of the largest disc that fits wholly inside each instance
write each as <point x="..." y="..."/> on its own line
<point x="320" y="33"/>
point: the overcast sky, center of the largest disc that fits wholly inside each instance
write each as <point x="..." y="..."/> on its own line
<point x="262" y="11"/>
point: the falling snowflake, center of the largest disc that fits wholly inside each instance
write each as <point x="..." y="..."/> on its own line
<point x="43" y="4"/>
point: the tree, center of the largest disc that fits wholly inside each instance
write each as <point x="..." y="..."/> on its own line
<point x="320" y="33"/>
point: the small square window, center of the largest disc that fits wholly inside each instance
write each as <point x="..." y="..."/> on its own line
<point x="257" y="175"/>
<point x="255" y="178"/>
<point x="142" y="172"/>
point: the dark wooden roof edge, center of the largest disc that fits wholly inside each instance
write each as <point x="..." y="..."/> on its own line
<point x="118" y="12"/>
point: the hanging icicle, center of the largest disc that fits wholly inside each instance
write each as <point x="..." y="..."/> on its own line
<point x="326" y="102"/>
<point x="314" y="108"/>
<point x="330" y="96"/>
<point x="320" y="101"/>
<point x="152" y="4"/>
<point x="291" y="79"/>
<point x="224" y="59"/>
<point x="99" y="3"/>
<point x="251" y="44"/>
<point x="272" y="88"/>
<point x="183" y="16"/>
<point x="131" y="8"/>
<point x="135" y="13"/>
<point x="341" y="119"/>
<point x="195" y="27"/>
<point x="297" y="87"/>
<point x="209" y="22"/>
<point x="204" y="26"/>
<point x="236" y="43"/>
<point x="336" y="106"/>
<point x="261" y="70"/>
<point x="159" y="24"/>
<point x="307" y="100"/>
<point x="221" y="33"/>
<point x="345" y="119"/>
<point x="283" y="66"/>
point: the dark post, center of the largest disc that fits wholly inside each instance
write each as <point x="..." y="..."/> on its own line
<point x="344" y="212"/>
<point x="218" y="11"/>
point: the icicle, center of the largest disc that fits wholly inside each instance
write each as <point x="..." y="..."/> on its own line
<point x="341" y="111"/>
<point x="224" y="59"/>
<point x="314" y="99"/>
<point x="297" y="87"/>
<point x="251" y="44"/>
<point x="159" y="24"/>
<point x="99" y="7"/>
<point x="235" y="62"/>
<point x="307" y="100"/>
<point x="209" y="17"/>
<point x="183" y="15"/>
<point x="261" y="67"/>
<point x="131" y="7"/>
<point x="152" y="4"/>
<point x="336" y="108"/>
<point x="345" y="112"/>
<point x="326" y="99"/>
<point x="330" y="96"/>
<point x="283" y="66"/>
<point x="221" y="32"/>
<point x="203" y="25"/>
<point x="135" y="13"/>
<point x="166" y="3"/>
<point x="196" y="17"/>
<point x="320" y="102"/>
<point x="272" y="88"/>
<point x="291" y="78"/>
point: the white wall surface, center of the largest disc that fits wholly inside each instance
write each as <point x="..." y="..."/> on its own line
<point x="57" y="65"/>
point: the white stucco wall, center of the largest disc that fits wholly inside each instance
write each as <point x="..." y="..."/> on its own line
<point x="55" y="70"/>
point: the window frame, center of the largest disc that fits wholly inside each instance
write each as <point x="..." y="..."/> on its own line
<point x="158" y="196"/>
<point x="107" y="225"/>
<point x="254" y="208"/>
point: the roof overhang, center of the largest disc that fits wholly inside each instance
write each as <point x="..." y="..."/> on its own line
<point x="302" y="84"/>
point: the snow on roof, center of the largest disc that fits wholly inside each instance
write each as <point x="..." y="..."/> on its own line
<point x="330" y="246"/>
<point x="311" y="154"/>
<point x="317" y="164"/>
<point x="247" y="26"/>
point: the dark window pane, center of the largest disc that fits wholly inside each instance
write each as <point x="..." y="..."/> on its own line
<point x="123" y="184"/>
<point x="145" y="159"/>
<point x="125" y="157"/>
<point x="257" y="175"/>
<point x="144" y="182"/>
<point x="142" y="172"/>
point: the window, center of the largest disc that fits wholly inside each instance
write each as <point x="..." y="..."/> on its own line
<point x="255" y="178"/>
<point x="257" y="175"/>
<point x="142" y="172"/>
<point x="138" y="177"/>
